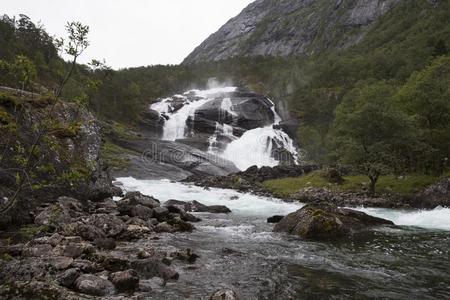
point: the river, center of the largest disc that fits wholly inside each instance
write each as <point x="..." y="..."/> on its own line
<point x="239" y="251"/>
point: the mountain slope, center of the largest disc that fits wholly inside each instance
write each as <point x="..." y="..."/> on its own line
<point x="292" y="27"/>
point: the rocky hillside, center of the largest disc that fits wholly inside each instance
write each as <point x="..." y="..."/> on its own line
<point x="292" y="27"/>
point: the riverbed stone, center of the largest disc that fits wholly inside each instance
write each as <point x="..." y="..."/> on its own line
<point x="94" y="285"/>
<point x="327" y="222"/>
<point x="125" y="280"/>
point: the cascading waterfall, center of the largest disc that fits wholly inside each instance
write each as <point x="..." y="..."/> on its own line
<point x="254" y="147"/>
<point x="175" y="125"/>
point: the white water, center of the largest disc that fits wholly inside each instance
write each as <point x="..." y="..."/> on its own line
<point x="254" y="147"/>
<point x="175" y="126"/>
<point x="252" y="205"/>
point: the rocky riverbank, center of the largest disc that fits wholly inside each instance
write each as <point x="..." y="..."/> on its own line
<point x="251" y="181"/>
<point x="86" y="249"/>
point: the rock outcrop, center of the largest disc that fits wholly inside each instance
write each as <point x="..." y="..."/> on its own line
<point x="292" y="27"/>
<point x="327" y="222"/>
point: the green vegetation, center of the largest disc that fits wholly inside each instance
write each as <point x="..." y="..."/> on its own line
<point x="402" y="185"/>
<point x="380" y="107"/>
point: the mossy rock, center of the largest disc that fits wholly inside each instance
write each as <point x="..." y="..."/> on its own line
<point x="327" y="222"/>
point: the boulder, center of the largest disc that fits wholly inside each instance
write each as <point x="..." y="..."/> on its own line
<point x="60" y="262"/>
<point x="150" y="267"/>
<point x="326" y="222"/>
<point x="125" y="280"/>
<point x="164" y="227"/>
<point x="161" y="213"/>
<point x="274" y="219"/>
<point x="132" y="199"/>
<point x="68" y="277"/>
<point x="87" y="266"/>
<point x="142" y="212"/>
<point x="111" y="225"/>
<point x="94" y="285"/>
<point x="105" y="243"/>
<point x="39" y="250"/>
<point x="225" y="294"/>
<point x="86" y="231"/>
<point x="196" y="206"/>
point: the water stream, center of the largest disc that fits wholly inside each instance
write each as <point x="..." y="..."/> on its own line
<point x="239" y="251"/>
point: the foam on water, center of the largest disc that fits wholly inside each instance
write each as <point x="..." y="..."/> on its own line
<point x="245" y="204"/>
<point x="257" y="206"/>
<point x="438" y="218"/>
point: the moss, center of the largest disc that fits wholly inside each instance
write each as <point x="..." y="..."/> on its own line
<point x="29" y="232"/>
<point x="66" y="131"/>
<point x="402" y="185"/>
<point x="6" y="257"/>
<point x="114" y="155"/>
<point x="8" y="100"/>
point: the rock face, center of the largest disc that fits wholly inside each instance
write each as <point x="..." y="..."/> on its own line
<point x="292" y="27"/>
<point x="435" y="195"/>
<point x="326" y="222"/>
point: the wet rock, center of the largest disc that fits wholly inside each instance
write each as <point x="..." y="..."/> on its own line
<point x="107" y="206"/>
<point x="60" y="262"/>
<point x="185" y="255"/>
<point x="180" y="225"/>
<point x="274" y="219"/>
<point x="111" y="225"/>
<point x="325" y="222"/>
<point x="142" y="254"/>
<point x="87" y="266"/>
<point x="132" y="199"/>
<point x="39" y="250"/>
<point x="149" y="268"/>
<point x="94" y="285"/>
<point x="164" y="227"/>
<point x="68" y="277"/>
<point x="125" y="280"/>
<point x="12" y="250"/>
<point x="160" y="213"/>
<point x="135" y="232"/>
<point x="105" y="243"/>
<point x="111" y="261"/>
<point x="141" y="212"/>
<point x="224" y="295"/>
<point x="196" y="206"/>
<point x="86" y="231"/>
<point x="73" y="250"/>
<point x="151" y="284"/>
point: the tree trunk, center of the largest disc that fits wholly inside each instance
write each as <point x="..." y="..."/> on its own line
<point x="373" y="183"/>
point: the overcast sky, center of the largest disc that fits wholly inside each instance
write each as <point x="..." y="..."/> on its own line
<point x="130" y="33"/>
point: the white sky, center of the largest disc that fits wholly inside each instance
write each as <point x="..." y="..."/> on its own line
<point x="131" y="33"/>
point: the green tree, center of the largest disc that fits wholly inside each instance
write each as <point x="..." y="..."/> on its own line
<point x="370" y="133"/>
<point x="24" y="71"/>
<point x="426" y="97"/>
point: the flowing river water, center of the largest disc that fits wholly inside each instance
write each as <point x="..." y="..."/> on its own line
<point x="239" y="251"/>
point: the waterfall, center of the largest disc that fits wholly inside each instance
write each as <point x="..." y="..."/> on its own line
<point x="176" y="123"/>
<point x="254" y="147"/>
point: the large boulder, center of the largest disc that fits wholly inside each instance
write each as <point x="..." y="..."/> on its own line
<point x="326" y="222"/>
<point x="125" y="280"/>
<point x="94" y="285"/>
<point x="194" y="206"/>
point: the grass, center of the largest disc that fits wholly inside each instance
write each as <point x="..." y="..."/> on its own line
<point x="402" y="185"/>
<point x="114" y="155"/>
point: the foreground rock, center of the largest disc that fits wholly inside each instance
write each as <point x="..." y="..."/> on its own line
<point x="327" y="222"/>
<point x="224" y="295"/>
<point x="84" y="249"/>
<point x="195" y="206"/>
